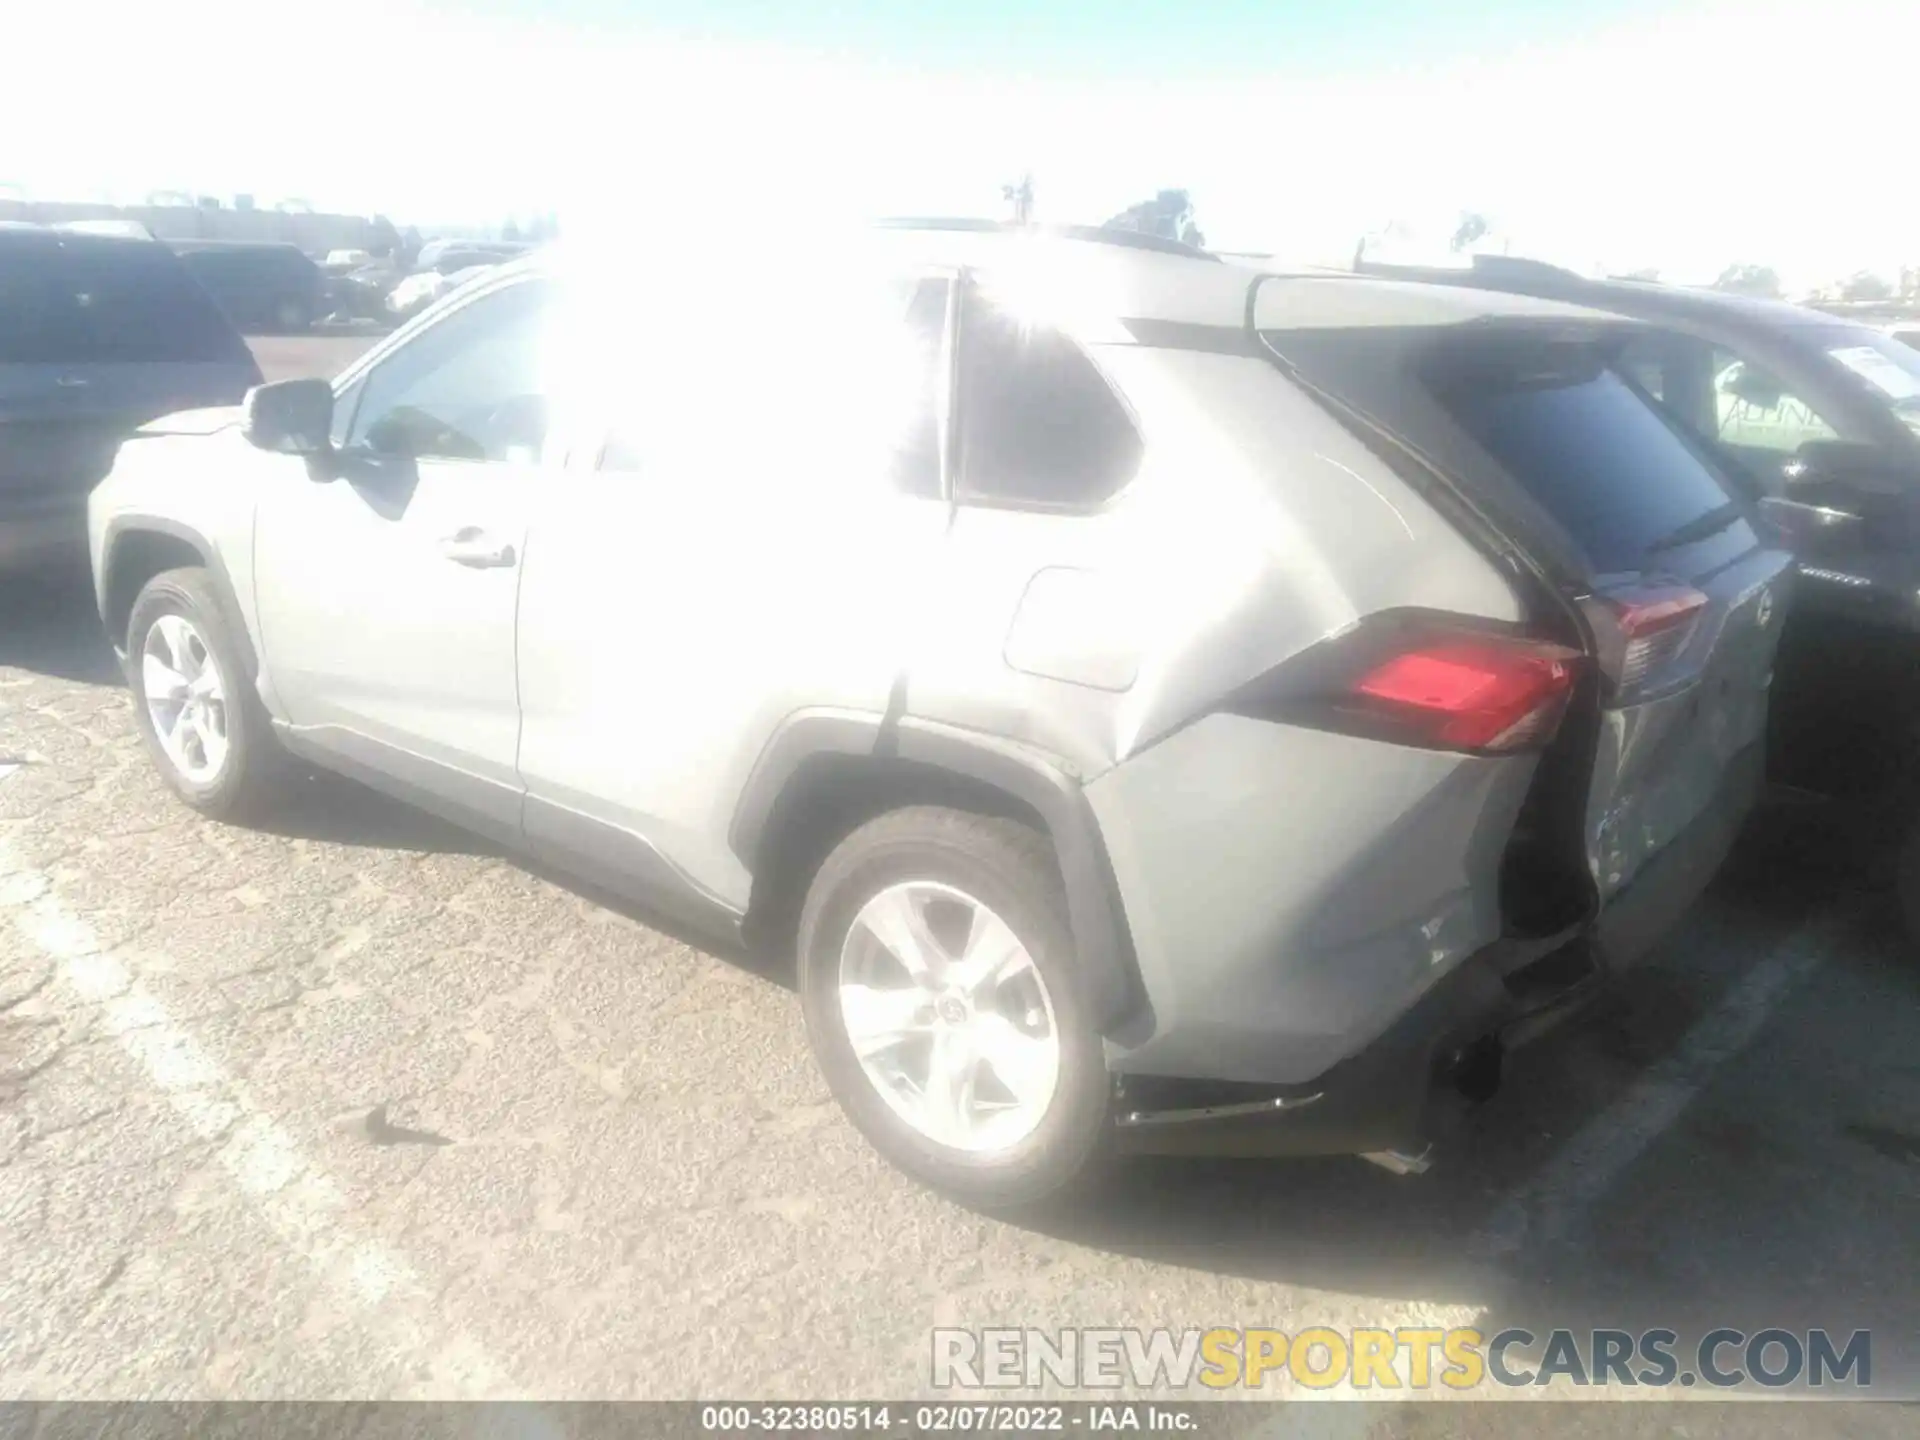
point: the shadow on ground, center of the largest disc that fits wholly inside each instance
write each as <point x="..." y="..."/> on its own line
<point x="48" y="625"/>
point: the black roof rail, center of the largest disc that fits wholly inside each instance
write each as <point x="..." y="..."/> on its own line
<point x="1099" y="234"/>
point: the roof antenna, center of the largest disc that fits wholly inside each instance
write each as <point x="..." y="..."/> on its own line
<point x="1020" y="197"/>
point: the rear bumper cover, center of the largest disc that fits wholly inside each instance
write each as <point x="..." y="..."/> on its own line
<point x="1291" y="892"/>
<point x="1397" y="1092"/>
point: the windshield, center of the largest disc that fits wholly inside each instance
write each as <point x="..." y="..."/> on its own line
<point x="1890" y="369"/>
<point x="106" y="302"/>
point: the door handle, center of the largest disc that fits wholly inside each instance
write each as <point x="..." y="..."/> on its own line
<point x="472" y="546"/>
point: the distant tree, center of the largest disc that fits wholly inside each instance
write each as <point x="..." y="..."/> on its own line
<point x="383" y="239"/>
<point x="1472" y="229"/>
<point x="1865" y="285"/>
<point x="1020" y="198"/>
<point x="1168" y="215"/>
<point x="1650" y="273"/>
<point x="1750" y="280"/>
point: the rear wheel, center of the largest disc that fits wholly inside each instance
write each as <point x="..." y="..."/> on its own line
<point x="193" y="699"/>
<point x="943" y="1003"/>
<point x="292" y="316"/>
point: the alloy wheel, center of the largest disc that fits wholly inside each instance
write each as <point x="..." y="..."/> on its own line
<point x="186" y="700"/>
<point x="949" y="1016"/>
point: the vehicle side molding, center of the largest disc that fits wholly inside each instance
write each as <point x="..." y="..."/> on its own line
<point x="1114" y="992"/>
<point x="622" y="862"/>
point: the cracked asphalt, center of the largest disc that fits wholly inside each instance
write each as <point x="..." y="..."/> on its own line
<point x="349" y="1106"/>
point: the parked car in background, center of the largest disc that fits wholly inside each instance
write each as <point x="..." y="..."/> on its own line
<point x="447" y="256"/>
<point x="342" y="262"/>
<point x="1821" y="416"/>
<point x="124" y="229"/>
<point x="418" y="291"/>
<point x="263" y="288"/>
<point x="98" y="335"/>
<point x="1163" y="706"/>
<point x="361" y="293"/>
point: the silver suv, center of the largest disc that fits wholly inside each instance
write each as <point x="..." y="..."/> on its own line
<point x="1163" y="706"/>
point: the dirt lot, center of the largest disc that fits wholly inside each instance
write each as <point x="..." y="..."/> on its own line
<point x="350" y="1105"/>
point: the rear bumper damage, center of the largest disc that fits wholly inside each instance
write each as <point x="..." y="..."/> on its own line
<point x="1403" y="1091"/>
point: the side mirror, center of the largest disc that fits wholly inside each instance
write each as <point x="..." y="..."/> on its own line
<point x="1862" y="471"/>
<point x="291" y="417"/>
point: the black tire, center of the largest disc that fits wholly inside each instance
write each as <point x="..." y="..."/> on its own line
<point x="1010" y="868"/>
<point x="247" y="780"/>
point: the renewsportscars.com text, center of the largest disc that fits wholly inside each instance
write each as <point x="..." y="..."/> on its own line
<point x="1323" y="1358"/>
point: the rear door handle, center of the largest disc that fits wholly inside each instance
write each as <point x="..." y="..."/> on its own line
<point x="474" y="547"/>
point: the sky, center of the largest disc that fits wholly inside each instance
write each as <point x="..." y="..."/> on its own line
<point x="1684" y="135"/>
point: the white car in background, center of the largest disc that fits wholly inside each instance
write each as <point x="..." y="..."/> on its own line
<point x="416" y="292"/>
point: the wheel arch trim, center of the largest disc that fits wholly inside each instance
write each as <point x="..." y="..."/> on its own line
<point x="122" y="526"/>
<point x="1115" y="992"/>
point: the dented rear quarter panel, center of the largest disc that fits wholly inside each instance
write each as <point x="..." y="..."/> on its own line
<point x="1255" y="527"/>
<point x="1289" y="891"/>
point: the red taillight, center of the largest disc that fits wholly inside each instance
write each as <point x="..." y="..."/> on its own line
<point x="1426" y="679"/>
<point x="1476" y="694"/>
<point x="1640" y="632"/>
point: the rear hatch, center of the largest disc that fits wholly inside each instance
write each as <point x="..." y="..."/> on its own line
<point x="1659" y="571"/>
<point x="99" y="335"/>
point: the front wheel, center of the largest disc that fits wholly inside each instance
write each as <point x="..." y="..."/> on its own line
<point x="193" y="699"/>
<point x="942" y="999"/>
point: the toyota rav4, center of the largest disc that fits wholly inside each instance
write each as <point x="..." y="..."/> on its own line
<point x="1161" y="705"/>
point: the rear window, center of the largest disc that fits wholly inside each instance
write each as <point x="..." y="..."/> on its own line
<point x="1039" y="426"/>
<point x="104" y="302"/>
<point x="1596" y="457"/>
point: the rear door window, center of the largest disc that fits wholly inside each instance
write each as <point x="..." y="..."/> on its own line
<point x="874" y="393"/>
<point x="1615" y="474"/>
<point x="98" y="302"/>
<point x="1040" y="428"/>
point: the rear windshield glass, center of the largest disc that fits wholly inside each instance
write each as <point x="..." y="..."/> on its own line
<point x="1598" y="459"/>
<point x="106" y="301"/>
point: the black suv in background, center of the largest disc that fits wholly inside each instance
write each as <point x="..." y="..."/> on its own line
<point x="1820" y="417"/>
<point x="264" y="288"/>
<point x="98" y="335"/>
